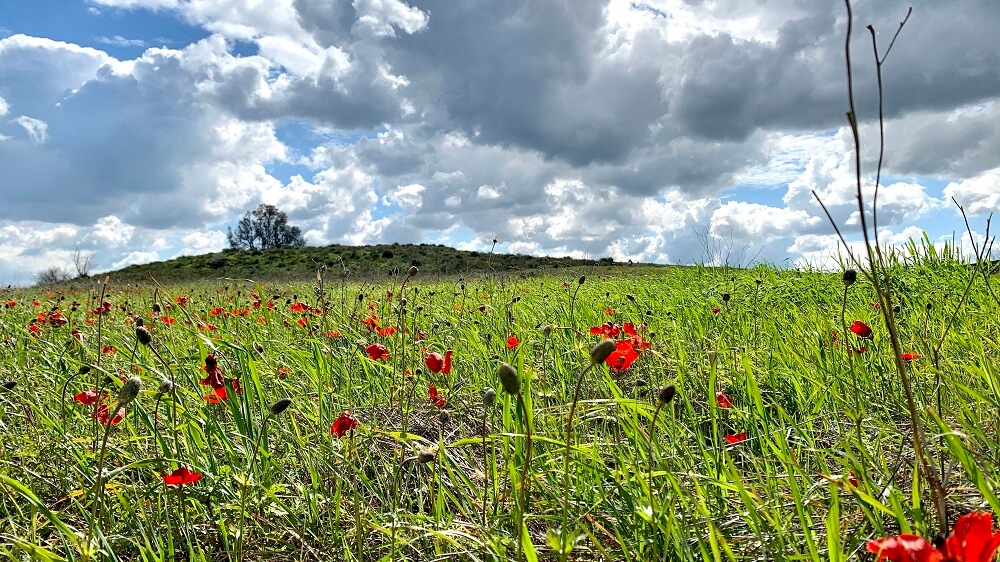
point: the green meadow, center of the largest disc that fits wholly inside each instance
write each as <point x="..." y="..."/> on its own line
<point x="737" y="414"/>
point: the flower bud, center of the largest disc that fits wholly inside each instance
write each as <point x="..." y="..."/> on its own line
<point x="509" y="380"/>
<point x="667" y="394"/>
<point x="726" y="297"/>
<point x="850" y="277"/>
<point x="489" y="397"/>
<point x="583" y="279"/>
<point x="413" y="271"/>
<point x="165" y="386"/>
<point x="280" y="406"/>
<point x="143" y="335"/>
<point x="129" y="391"/>
<point x="600" y="352"/>
<point x="426" y="456"/>
<point x="9" y="385"/>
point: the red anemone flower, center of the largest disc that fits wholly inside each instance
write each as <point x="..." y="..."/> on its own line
<point x="437" y="364"/>
<point x="910" y="356"/>
<point x="716" y="310"/>
<point x="513" y="342"/>
<point x="971" y="540"/>
<point x="215" y="379"/>
<point x="344" y="423"/>
<point x="861" y="329"/>
<point x="436" y="397"/>
<point x="377" y="351"/>
<point x="181" y="476"/>
<point x="736" y="438"/>
<point x="622" y="357"/>
<point x="609" y="311"/>
<point x="723" y="400"/>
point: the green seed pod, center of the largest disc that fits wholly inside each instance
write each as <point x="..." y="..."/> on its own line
<point x="509" y="380"/>
<point x="601" y="351"/>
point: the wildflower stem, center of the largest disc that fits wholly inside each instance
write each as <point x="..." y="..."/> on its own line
<point x="246" y="483"/>
<point x="566" y="449"/>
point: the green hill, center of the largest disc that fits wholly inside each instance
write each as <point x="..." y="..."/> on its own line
<point x="357" y="261"/>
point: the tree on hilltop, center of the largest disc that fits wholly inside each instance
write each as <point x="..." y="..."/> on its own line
<point x="263" y="228"/>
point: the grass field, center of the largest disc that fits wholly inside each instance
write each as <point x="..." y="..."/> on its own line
<point x="787" y="437"/>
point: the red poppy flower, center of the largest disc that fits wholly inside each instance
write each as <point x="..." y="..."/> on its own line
<point x="607" y="329"/>
<point x="11" y="303"/>
<point x="215" y="379"/>
<point x="622" y="357"/>
<point x="181" y="476"/>
<point x="723" y="400"/>
<point x="436" y="397"/>
<point x="436" y="364"/>
<point x="298" y="307"/>
<point x="512" y="342"/>
<point x="86" y="397"/>
<point x="109" y="350"/>
<point x="910" y="356"/>
<point x="387" y="331"/>
<point x="853" y="479"/>
<point x="861" y="329"/>
<point x="971" y="540"/>
<point x="103" y="414"/>
<point x="168" y="319"/>
<point x="609" y="311"/>
<point x="736" y="438"/>
<point x="181" y="300"/>
<point x="217" y="311"/>
<point x="303" y="322"/>
<point x="377" y="351"/>
<point x="716" y="310"/>
<point x="861" y="349"/>
<point x="629" y="328"/>
<point x="344" y="423"/>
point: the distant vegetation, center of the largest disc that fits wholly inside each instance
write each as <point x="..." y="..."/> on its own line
<point x="358" y="262"/>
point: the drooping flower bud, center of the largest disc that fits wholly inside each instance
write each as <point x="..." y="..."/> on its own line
<point x="413" y="271"/>
<point x="600" y="352"/>
<point x="280" y="406"/>
<point x="667" y="393"/>
<point x="427" y="455"/>
<point x="165" y="386"/>
<point x="143" y="335"/>
<point x="850" y="277"/>
<point x="129" y="391"/>
<point x="509" y="380"/>
<point x="489" y="397"/>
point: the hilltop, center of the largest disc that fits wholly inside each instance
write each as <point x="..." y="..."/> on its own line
<point x="356" y="261"/>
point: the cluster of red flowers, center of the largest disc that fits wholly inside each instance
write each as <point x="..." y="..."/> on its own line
<point x="52" y="317"/>
<point x="627" y="349"/>
<point x="971" y="540"/>
<point x="102" y="411"/>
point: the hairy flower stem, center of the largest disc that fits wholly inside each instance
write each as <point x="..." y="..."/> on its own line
<point x="95" y="513"/>
<point x="652" y="499"/>
<point x="524" y="475"/>
<point x="246" y="483"/>
<point x="884" y="292"/>
<point x="569" y="437"/>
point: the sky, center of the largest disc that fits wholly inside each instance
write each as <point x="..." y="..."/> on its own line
<point x="669" y="131"/>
